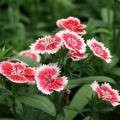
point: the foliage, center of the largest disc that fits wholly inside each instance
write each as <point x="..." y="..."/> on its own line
<point x="22" y="21"/>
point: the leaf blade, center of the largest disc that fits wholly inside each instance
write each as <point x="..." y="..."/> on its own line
<point x="40" y="102"/>
<point x="79" y="101"/>
<point x="88" y="80"/>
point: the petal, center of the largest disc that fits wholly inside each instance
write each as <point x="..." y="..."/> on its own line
<point x="30" y="75"/>
<point x="81" y="26"/>
<point x="80" y="31"/>
<point x="49" y="44"/>
<point x="71" y="24"/>
<point x="59" y="83"/>
<point x="72" y="41"/>
<point x="17" y="78"/>
<point x="76" y="56"/>
<point x="33" y="55"/>
<point x="110" y="94"/>
<point x="52" y="69"/>
<point x="46" y="79"/>
<point x="44" y="87"/>
<point x="59" y="23"/>
<point x="115" y="103"/>
<point x="17" y="74"/>
<point x="6" y="68"/>
<point x="95" y="87"/>
<point x="99" y="50"/>
<point x="18" y="66"/>
<point x="44" y="76"/>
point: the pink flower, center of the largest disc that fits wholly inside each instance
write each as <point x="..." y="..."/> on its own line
<point x="59" y="23"/>
<point x="32" y="54"/>
<point x="76" y="56"/>
<point x="99" y="50"/>
<point x="49" y="44"/>
<point x="106" y="93"/>
<point x="73" y="41"/>
<point x="17" y="72"/>
<point x="72" y="24"/>
<point x="30" y="75"/>
<point x="47" y="79"/>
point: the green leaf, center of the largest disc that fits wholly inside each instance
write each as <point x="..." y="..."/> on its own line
<point x="115" y="71"/>
<point x="6" y="119"/>
<point x="60" y="116"/>
<point x="107" y="67"/>
<point x="39" y="102"/>
<point x="79" y="101"/>
<point x="88" y="118"/>
<point x="3" y="96"/>
<point x="27" y="60"/>
<point x="2" y="87"/>
<point x="107" y="15"/>
<point x="102" y="30"/>
<point x="88" y="80"/>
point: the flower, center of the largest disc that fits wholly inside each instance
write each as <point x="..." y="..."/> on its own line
<point x="99" y="50"/>
<point x="17" y="72"/>
<point x="59" y="23"/>
<point x="30" y="75"/>
<point x="72" y="24"/>
<point x="47" y="79"/>
<point x="72" y="41"/>
<point x="32" y="54"/>
<point x="106" y="93"/>
<point x="49" y="44"/>
<point x="76" y="56"/>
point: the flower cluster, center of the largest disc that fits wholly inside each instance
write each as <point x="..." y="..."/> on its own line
<point x="46" y="77"/>
<point x="70" y="38"/>
<point x="106" y="93"/>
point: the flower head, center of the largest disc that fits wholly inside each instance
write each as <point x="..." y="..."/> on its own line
<point x="47" y="79"/>
<point x="76" y="56"/>
<point x="30" y="75"/>
<point x="49" y="44"/>
<point x="17" y="72"/>
<point x="73" y="41"/>
<point x="106" y="93"/>
<point x="72" y="24"/>
<point x="32" y="54"/>
<point x="99" y="50"/>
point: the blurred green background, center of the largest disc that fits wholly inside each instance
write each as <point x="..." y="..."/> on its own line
<point x="23" y="21"/>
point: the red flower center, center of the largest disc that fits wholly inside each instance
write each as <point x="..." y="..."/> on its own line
<point x="47" y="41"/>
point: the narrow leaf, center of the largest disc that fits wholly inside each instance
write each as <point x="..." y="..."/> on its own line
<point x="88" y="118"/>
<point x="6" y="119"/>
<point x="115" y="71"/>
<point x="79" y="101"/>
<point x="27" y="60"/>
<point x="88" y="80"/>
<point x="39" y="102"/>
